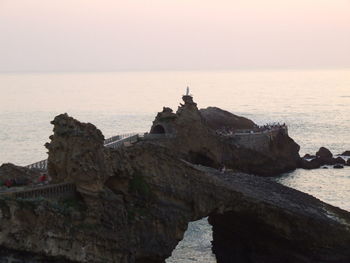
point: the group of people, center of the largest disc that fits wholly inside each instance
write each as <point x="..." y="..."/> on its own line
<point x="42" y="180"/>
<point x="267" y="127"/>
<point x="270" y="126"/>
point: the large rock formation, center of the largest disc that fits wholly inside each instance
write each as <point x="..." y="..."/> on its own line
<point x="323" y="157"/>
<point x="218" y="119"/>
<point x="265" y="153"/>
<point x="135" y="203"/>
<point x="75" y="145"/>
<point x="324" y="153"/>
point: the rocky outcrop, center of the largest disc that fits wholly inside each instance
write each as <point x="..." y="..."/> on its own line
<point x="322" y="157"/>
<point x="75" y="145"/>
<point x="339" y="160"/>
<point x="324" y="153"/>
<point x="309" y="156"/>
<point x="197" y="140"/>
<point x="135" y="203"/>
<point x="346" y="153"/>
<point x="218" y="119"/>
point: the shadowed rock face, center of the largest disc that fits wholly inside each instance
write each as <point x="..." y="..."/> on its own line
<point x="138" y="201"/>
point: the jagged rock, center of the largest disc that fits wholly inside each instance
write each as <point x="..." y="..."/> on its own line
<point x="75" y="145"/>
<point x="346" y="153"/>
<point x="309" y="156"/>
<point x="320" y="161"/>
<point x="324" y="153"/>
<point x="144" y="197"/>
<point x="339" y="160"/>
<point x="313" y="164"/>
<point x="217" y="119"/>
<point x="323" y="157"/>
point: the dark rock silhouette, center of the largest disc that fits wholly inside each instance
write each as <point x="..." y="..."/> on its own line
<point x="324" y="153"/>
<point x="323" y="157"/>
<point x="309" y="156"/>
<point x="138" y="200"/>
<point x="339" y="160"/>
<point x="346" y="153"/>
<point x="134" y="202"/>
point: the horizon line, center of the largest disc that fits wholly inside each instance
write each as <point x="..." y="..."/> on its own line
<point x="174" y="70"/>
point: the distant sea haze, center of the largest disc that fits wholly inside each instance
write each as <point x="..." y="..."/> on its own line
<point x="315" y="104"/>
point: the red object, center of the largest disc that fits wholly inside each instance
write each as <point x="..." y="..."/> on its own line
<point x="42" y="178"/>
<point x="9" y="183"/>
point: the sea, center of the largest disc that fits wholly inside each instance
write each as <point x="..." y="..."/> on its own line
<point x="315" y="104"/>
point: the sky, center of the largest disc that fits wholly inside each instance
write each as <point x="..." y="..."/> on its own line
<point x="113" y="35"/>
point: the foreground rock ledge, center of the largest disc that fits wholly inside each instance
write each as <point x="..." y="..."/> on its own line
<point x="134" y="204"/>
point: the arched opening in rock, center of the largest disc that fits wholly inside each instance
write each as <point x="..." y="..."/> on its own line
<point x="196" y="243"/>
<point x="158" y="129"/>
<point x="202" y="159"/>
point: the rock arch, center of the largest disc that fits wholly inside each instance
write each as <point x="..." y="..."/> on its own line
<point x="147" y="194"/>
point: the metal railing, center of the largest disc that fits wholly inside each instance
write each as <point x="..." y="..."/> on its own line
<point x="118" y="137"/>
<point x="48" y="191"/>
<point x="122" y="142"/>
<point x="41" y="165"/>
<point x="254" y="132"/>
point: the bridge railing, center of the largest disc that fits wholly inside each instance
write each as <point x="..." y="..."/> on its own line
<point x="254" y="132"/>
<point x="118" y="137"/>
<point x="41" y="165"/>
<point x="63" y="190"/>
<point x="122" y="142"/>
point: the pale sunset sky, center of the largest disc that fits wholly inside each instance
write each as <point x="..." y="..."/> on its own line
<point x="112" y="35"/>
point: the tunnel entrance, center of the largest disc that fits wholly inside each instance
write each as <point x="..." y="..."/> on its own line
<point x="158" y="129"/>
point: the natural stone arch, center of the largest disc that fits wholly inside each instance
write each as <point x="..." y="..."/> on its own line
<point x="151" y="194"/>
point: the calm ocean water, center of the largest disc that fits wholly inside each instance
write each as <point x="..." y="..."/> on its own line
<point x="314" y="104"/>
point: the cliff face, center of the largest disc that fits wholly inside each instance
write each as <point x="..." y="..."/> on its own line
<point x="75" y="146"/>
<point x="135" y="203"/>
